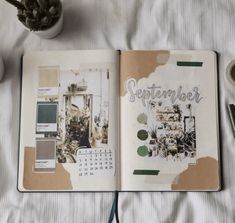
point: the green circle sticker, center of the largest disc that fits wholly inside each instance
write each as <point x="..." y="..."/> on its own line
<point x="142" y="151"/>
<point x="142" y="118"/>
<point x="142" y="134"/>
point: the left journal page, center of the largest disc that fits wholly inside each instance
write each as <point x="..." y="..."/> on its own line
<point x="69" y="121"/>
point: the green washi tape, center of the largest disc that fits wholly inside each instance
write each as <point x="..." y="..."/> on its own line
<point x="146" y="172"/>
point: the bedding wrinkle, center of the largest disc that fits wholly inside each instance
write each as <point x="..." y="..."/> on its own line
<point x="119" y="24"/>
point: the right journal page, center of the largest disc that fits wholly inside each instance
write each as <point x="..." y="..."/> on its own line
<point x="169" y="121"/>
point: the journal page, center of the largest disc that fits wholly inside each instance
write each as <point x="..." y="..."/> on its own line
<point x="69" y="121"/>
<point x="169" y="125"/>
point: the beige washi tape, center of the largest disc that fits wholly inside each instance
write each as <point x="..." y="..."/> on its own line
<point x="230" y="72"/>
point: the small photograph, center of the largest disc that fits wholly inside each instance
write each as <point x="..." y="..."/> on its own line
<point x="73" y="108"/>
<point x="169" y="132"/>
<point x="83" y="120"/>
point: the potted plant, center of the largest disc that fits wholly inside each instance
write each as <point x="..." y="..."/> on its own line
<point x="43" y="17"/>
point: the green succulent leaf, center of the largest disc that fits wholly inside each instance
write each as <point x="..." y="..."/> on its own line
<point x="42" y="4"/>
<point x="35" y="13"/>
<point x="52" y="10"/>
<point x="54" y="2"/>
<point x="21" y="18"/>
<point x="16" y="3"/>
<point x="28" y="4"/>
<point x="32" y="23"/>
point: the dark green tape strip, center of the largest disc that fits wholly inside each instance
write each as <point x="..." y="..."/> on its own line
<point x="231" y="110"/>
<point x="146" y="172"/>
<point x="189" y="63"/>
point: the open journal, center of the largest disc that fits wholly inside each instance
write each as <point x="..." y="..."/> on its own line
<point x="103" y="120"/>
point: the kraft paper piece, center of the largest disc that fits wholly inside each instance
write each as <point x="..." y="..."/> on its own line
<point x="203" y="175"/>
<point x="48" y="77"/>
<point x="139" y="64"/>
<point x="60" y="180"/>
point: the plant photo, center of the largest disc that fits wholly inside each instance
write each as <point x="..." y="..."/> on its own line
<point x="169" y="132"/>
<point x="83" y="112"/>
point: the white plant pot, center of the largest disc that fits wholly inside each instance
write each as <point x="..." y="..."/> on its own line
<point x="53" y="31"/>
<point x="50" y="32"/>
<point x="1" y="68"/>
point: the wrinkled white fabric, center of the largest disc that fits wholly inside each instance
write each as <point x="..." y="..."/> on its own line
<point x="119" y="24"/>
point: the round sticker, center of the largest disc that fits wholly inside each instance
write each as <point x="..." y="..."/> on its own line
<point x="142" y="151"/>
<point x="142" y="134"/>
<point x="142" y="118"/>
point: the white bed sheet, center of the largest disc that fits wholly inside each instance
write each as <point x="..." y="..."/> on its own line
<point x="119" y="24"/>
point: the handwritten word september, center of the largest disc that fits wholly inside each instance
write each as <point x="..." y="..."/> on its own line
<point x="153" y="92"/>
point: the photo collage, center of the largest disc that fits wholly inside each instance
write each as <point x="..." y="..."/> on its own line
<point x="73" y="120"/>
<point x="167" y="131"/>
